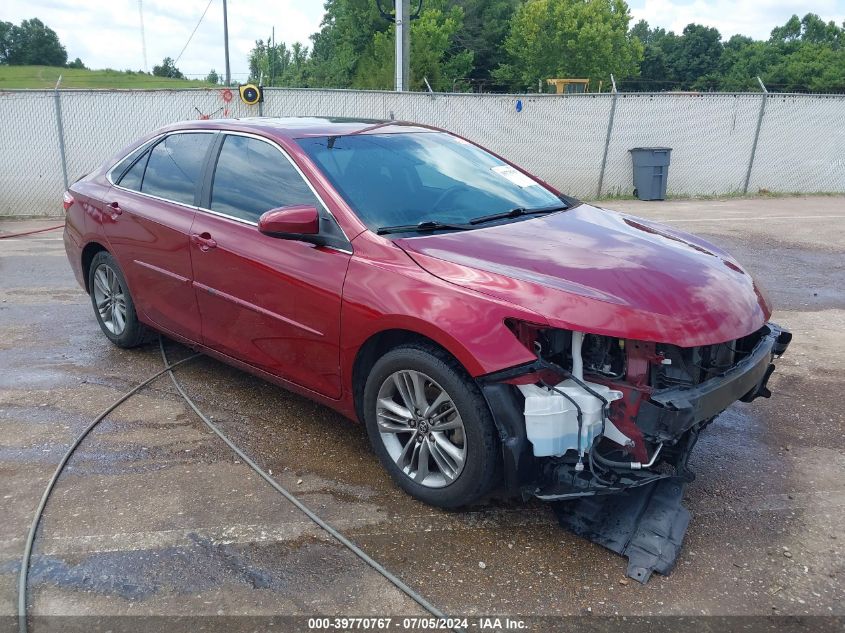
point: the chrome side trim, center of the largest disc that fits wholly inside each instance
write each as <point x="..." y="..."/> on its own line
<point x="228" y="217"/>
<point x="255" y="308"/>
<point x="162" y="271"/>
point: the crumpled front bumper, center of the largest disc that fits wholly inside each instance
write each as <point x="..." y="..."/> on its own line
<point x="639" y="513"/>
<point x="669" y="413"/>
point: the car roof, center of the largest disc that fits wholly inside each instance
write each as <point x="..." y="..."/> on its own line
<point x="301" y="127"/>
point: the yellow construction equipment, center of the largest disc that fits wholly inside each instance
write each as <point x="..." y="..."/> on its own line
<point x="570" y="86"/>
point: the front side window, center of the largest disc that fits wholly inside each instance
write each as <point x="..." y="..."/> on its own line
<point x="412" y="177"/>
<point x="252" y="177"/>
<point x="175" y="166"/>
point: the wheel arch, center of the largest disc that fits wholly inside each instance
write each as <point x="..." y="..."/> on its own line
<point x="379" y="344"/>
<point x="88" y="253"/>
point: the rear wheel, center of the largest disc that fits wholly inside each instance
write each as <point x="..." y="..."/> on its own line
<point x="113" y="305"/>
<point x="430" y="426"/>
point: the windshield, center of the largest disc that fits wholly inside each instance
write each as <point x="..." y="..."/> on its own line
<point x="393" y="180"/>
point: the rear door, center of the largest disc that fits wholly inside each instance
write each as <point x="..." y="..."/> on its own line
<point x="270" y="302"/>
<point x="152" y="206"/>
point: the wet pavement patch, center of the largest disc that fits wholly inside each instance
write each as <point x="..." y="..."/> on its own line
<point x="305" y="567"/>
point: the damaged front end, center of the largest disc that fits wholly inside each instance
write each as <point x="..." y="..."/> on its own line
<point x="596" y="415"/>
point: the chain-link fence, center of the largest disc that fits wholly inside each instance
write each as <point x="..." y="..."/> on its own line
<point x="722" y="143"/>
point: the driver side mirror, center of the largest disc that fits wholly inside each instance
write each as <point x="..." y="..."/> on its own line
<point x="293" y="222"/>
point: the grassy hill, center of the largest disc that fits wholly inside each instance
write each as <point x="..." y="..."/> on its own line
<point x="15" y="77"/>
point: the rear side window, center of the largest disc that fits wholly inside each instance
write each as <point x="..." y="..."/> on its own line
<point x="175" y="165"/>
<point x="252" y="177"/>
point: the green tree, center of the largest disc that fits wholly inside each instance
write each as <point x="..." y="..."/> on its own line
<point x="816" y="31"/>
<point x="789" y="32"/>
<point x="434" y="56"/>
<point x="31" y="43"/>
<point x="485" y="27"/>
<point x="168" y="69"/>
<point x="76" y="63"/>
<point x="695" y="62"/>
<point x="40" y="44"/>
<point x="570" y="38"/>
<point x="212" y="77"/>
<point x="7" y="41"/>
<point x="279" y="65"/>
<point x="742" y="61"/>
<point x="656" y="72"/>
<point x="811" y="68"/>
<point x="807" y="55"/>
<point x="346" y="34"/>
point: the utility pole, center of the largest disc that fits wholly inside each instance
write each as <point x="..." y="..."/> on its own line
<point x="403" y="44"/>
<point x="143" y="37"/>
<point x="226" y="42"/>
<point x="272" y="56"/>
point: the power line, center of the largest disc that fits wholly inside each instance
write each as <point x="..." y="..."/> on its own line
<point x="202" y="17"/>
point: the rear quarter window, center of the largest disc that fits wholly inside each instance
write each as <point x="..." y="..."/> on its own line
<point x="134" y="176"/>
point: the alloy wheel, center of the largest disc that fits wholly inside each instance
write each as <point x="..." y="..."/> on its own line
<point x="110" y="299"/>
<point x="421" y="428"/>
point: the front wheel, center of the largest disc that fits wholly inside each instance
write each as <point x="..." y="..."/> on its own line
<point x="430" y="426"/>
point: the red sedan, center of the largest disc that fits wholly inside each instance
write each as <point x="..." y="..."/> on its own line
<point x="482" y="325"/>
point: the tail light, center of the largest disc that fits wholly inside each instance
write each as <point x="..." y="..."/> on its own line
<point x="67" y="200"/>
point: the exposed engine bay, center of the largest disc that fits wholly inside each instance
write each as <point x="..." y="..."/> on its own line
<point x="596" y="415"/>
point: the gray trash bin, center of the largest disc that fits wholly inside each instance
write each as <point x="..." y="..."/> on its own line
<point x="651" y="169"/>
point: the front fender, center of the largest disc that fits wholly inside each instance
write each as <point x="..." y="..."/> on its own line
<point x="399" y="295"/>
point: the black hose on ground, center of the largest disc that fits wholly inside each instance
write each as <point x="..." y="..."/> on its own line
<point x="4" y="236"/>
<point x="168" y="368"/>
<point x="396" y="582"/>
<point x="30" y="538"/>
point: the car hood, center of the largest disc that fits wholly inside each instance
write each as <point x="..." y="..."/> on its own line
<point x="603" y="272"/>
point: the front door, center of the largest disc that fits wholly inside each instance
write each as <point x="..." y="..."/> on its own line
<point x="270" y="302"/>
<point x="152" y="209"/>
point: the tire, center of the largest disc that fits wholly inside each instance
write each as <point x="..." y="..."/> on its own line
<point x="456" y="438"/>
<point x="112" y="303"/>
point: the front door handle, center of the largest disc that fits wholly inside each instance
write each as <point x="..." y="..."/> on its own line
<point x="204" y="241"/>
<point x="115" y="210"/>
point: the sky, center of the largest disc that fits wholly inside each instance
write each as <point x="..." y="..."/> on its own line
<point x="106" y="33"/>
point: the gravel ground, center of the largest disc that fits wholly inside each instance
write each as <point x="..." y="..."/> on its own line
<point x="155" y="516"/>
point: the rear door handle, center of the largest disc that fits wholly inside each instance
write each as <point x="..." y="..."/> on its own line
<point x="204" y="241"/>
<point x="115" y="210"/>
